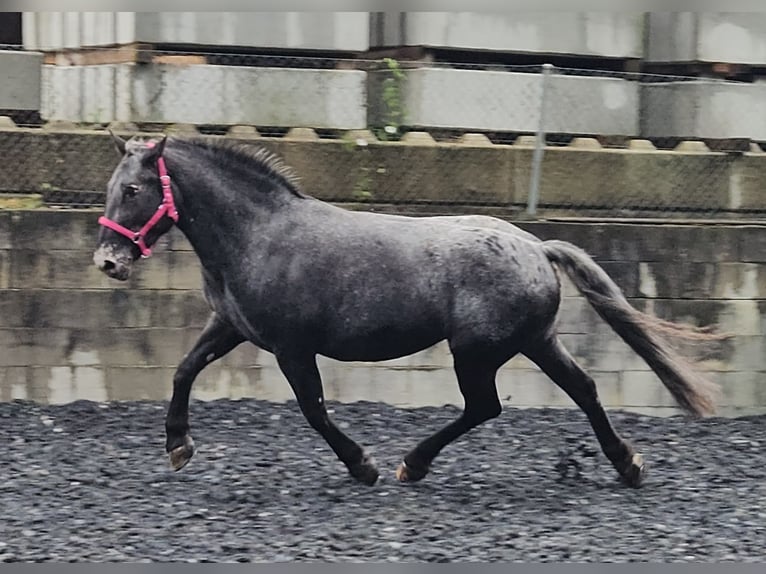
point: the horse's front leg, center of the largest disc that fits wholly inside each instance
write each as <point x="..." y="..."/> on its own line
<point x="300" y="370"/>
<point x="217" y="338"/>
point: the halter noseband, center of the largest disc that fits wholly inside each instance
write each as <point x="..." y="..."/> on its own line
<point x="167" y="207"/>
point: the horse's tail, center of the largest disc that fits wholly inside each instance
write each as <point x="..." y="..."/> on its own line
<point x="640" y="331"/>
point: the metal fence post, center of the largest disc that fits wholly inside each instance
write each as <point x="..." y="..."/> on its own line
<point x="537" y="156"/>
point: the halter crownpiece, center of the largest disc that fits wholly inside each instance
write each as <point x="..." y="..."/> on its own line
<point x="167" y="207"/>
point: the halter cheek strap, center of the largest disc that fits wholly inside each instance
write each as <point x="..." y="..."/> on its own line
<point x="167" y="207"/>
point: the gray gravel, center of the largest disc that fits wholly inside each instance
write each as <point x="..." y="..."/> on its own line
<point x="90" y="481"/>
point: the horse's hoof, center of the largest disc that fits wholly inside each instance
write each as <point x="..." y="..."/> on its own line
<point x="181" y="455"/>
<point x="407" y="473"/>
<point x="635" y="472"/>
<point x="365" y="471"/>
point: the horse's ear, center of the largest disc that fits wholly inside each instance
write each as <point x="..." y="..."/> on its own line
<point x="156" y="148"/>
<point x="118" y="142"/>
<point x="160" y="147"/>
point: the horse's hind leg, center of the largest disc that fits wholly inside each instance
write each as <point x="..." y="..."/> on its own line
<point x="556" y="362"/>
<point x="302" y="373"/>
<point x="476" y="379"/>
<point x="216" y="339"/>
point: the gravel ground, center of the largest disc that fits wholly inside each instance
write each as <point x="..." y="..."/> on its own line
<point x="90" y="482"/>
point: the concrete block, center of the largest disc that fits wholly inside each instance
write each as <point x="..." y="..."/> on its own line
<point x="243" y="132"/>
<point x="51" y="232"/>
<point x="641" y="145"/>
<point x="643" y="388"/>
<point x="180" y="309"/>
<point x="22" y="347"/>
<point x="337" y="31"/>
<point x="40" y="160"/>
<point x="698" y="244"/>
<point x="33" y="269"/>
<point x="740" y="281"/>
<point x="139" y="383"/>
<point x="215" y="383"/>
<point x="747" y="177"/>
<point x="525" y="141"/>
<point x="706" y="37"/>
<point x="207" y="94"/>
<point x="476" y="140"/>
<point x="682" y="280"/>
<point x="703" y="109"/>
<point x="581" y="33"/>
<point x="726" y="315"/>
<point x="6" y="235"/>
<point x="302" y="134"/>
<point x="418" y="138"/>
<point x="184" y="270"/>
<point x="692" y="147"/>
<point x="101" y="347"/>
<point x="478" y="174"/>
<point x="60" y="385"/>
<point x="360" y="137"/>
<point x="85" y="309"/>
<point x="742" y="389"/>
<point x="585" y="143"/>
<point x="752" y="244"/>
<point x="13" y="383"/>
<point x="5" y="272"/>
<point x="577" y="316"/>
<point x="618" y="179"/>
<point x="510" y="101"/>
<point x="21" y="85"/>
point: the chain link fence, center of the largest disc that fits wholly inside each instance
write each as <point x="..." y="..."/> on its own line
<point x="423" y="136"/>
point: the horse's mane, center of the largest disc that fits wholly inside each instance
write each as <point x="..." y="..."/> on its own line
<point x="269" y="164"/>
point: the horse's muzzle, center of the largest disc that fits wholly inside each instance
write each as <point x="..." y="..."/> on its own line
<point x="111" y="263"/>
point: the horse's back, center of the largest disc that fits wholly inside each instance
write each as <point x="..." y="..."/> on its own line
<point x="488" y="278"/>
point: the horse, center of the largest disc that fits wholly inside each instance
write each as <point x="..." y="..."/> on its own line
<point x="300" y="278"/>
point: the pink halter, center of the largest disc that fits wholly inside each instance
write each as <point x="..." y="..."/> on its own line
<point x="167" y="207"/>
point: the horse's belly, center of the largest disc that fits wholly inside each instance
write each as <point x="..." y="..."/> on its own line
<point x="381" y="344"/>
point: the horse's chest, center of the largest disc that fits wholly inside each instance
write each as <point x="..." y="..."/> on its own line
<point x="228" y="306"/>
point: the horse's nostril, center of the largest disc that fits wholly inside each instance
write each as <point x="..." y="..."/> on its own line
<point x="108" y="265"/>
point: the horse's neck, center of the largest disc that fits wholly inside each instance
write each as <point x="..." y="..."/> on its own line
<point x="216" y="218"/>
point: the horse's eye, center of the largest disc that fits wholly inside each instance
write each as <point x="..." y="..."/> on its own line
<point x="130" y="189"/>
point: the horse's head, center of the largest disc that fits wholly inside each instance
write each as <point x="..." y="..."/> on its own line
<point x="139" y="207"/>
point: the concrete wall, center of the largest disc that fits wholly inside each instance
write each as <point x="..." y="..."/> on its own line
<point x="432" y="98"/>
<point x="20" y="85"/>
<point x="68" y="332"/>
<point x="205" y="95"/>
<point x="341" y="31"/>
<point x="581" y="33"/>
<point x="468" y="172"/>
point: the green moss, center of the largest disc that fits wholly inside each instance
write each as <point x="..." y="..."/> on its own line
<point x="17" y="202"/>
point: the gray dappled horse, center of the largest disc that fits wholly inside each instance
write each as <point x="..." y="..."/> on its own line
<point x="299" y="277"/>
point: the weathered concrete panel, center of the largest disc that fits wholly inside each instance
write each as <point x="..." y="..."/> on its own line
<point x="197" y="94"/>
<point x="703" y="109"/>
<point x="581" y="33"/>
<point x="341" y="31"/>
<point x="510" y="101"/>
<point x="72" y="339"/>
<point x="729" y="37"/>
<point x="21" y="73"/>
<point x="585" y="178"/>
<point x="391" y="172"/>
